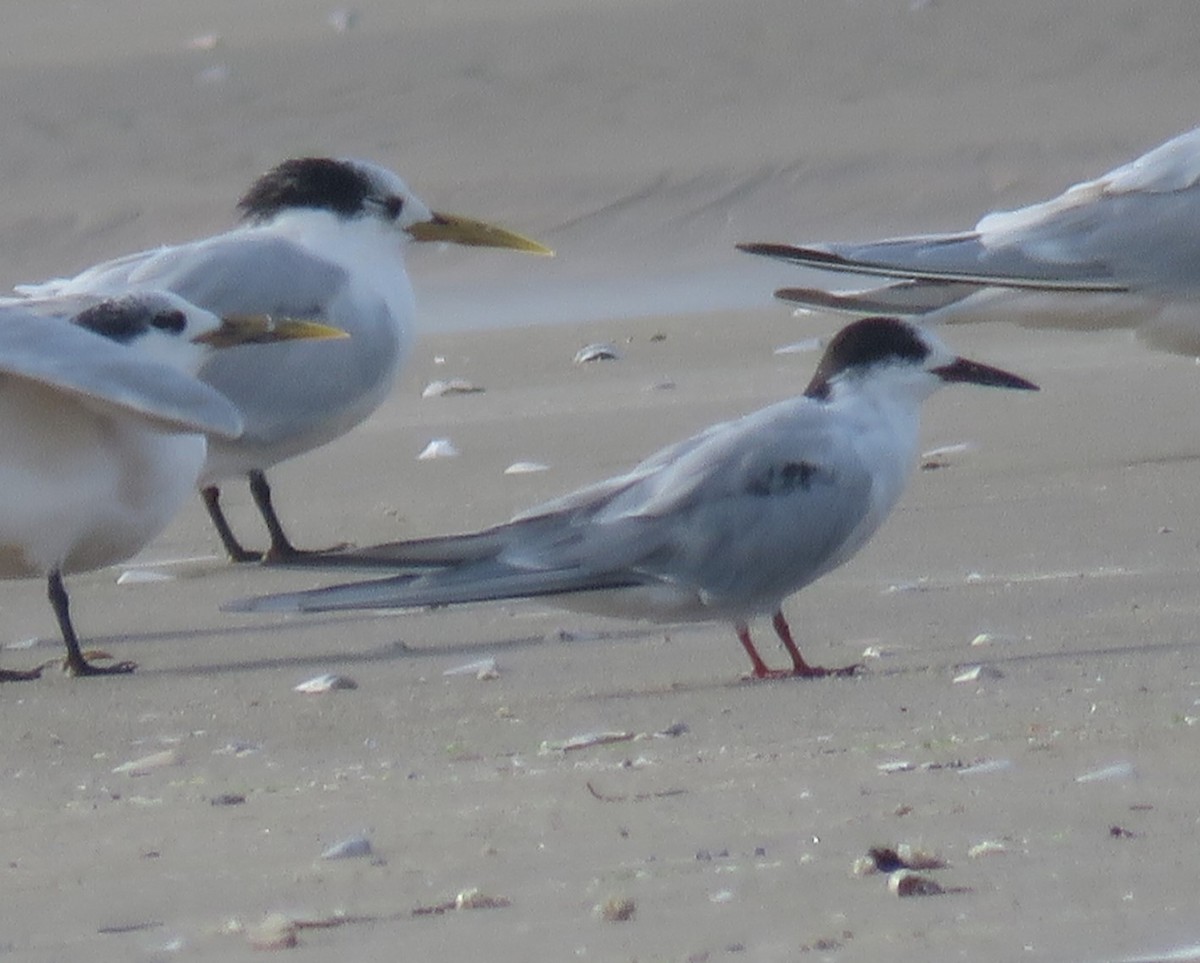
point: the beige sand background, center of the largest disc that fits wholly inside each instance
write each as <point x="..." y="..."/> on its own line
<point x="641" y="139"/>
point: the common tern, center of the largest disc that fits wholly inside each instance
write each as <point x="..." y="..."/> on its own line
<point x="1120" y="251"/>
<point x="322" y="239"/>
<point x="102" y="430"/>
<point x="722" y="526"/>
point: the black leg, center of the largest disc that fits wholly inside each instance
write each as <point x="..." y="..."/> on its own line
<point x="211" y="495"/>
<point x="76" y="663"/>
<point x="281" y="548"/>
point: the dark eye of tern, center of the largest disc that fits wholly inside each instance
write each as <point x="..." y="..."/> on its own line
<point x="393" y="206"/>
<point x="172" y="321"/>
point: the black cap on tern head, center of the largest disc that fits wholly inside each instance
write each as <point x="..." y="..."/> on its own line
<point x="123" y="319"/>
<point x="874" y="342"/>
<point x="325" y="183"/>
<point x="864" y="343"/>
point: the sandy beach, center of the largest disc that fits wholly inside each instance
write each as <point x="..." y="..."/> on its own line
<point x="1055" y="546"/>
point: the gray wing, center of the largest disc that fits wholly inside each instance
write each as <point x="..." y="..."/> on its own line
<point x="283" y="390"/>
<point x="749" y="512"/>
<point x="1133" y="229"/>
<point x="59" y="355"/>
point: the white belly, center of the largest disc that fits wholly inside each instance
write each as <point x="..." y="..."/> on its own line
<point x="82" y="487"/>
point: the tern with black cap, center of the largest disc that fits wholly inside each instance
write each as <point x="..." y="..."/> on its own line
<point x="102" y="430"/>
<point x="323" y="239"/>
<point x="721" y="527"/>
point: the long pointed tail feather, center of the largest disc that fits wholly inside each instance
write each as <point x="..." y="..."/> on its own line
<point x="953" y="258"/>
<point x="488" y="582"/>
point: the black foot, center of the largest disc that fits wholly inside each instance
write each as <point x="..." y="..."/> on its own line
<point x="288" y="554"/>
<point x="21" y="675"/>
<point x="82" y="667"/>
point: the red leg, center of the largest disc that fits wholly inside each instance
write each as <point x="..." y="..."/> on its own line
<point x="800" y="667"/>
<point x="760" y="667"/>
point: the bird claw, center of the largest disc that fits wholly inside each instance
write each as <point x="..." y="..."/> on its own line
<point x="21" y="675"/>
<point x="289" y="555"/>
<point x="808" y="672"/>
<point x="85" y="668"/>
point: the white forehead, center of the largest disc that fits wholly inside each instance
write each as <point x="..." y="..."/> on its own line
<point x="385" y="182"/>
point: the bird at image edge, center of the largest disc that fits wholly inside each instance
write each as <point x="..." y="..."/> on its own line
<point x="720" y="527"/>
<point x="102" y="431"/>
<point x="1120" y="251"/>
<point x="321" y="239"/>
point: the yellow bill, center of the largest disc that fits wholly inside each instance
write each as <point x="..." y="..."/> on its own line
<point x="238" y="329"/>
<point x="452" y="229"/>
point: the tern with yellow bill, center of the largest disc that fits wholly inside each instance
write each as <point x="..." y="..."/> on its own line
<point x="103" y="428"/>
<point x="323" y="239"/>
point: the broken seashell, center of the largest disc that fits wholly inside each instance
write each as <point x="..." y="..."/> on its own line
<point x="147" y="764"/>
<point x="1119" y="770"/>
<point x="886" y="859"/>
<point x="616" y="909"/>
<point x="453" y="386"/>
<point x="914" y="858"/>
<point x="989" y="847"/>
<point x="942" y="456"/>
<point x="904" y="882"/>
<point x="979" y="672"/>
<point x="985" y="766"/>
<point x="356" y="847"/>
<point x="525" y="468"/>
<point x="325" y="683"/>
<point x="438" y="448"/>
<point x="474" y="899"/>
<point x="801" y="347"/>
<point x="597" y="352"/>
<point x="482" y="669"/>
<point x="275" y="932"/>
<point x="585" y="741"/>
<point x="143" y="576"/>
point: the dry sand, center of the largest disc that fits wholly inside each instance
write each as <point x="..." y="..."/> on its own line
<point x="641" y="140"/>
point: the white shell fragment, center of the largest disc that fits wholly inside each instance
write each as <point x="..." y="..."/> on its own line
<point x="904" y="882"/>
<point x="988" y="847"/>
<point x="325" y="683"/>
<point x="944" y="455"/>
<point x="356" y="847"/>
<point x="275" y="932"/>
<point x="585" y="741"/>
<point x="525" y="468"/>
<point x="985" y="766"/>
<point x="978" y="673"/>
<point x="482" y="669"/>
<point x="453" y="386"/>
<point x="438" y="448"/>
<point x="1119" y="770"/>
<point x="143" y="576"/>
<point x="898" y="765"/>
<point x="597" y="352"/>
<point x="801" y="347"/>
<point x="147" y="764"/>
<point x="474" y="898"/>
